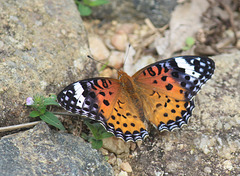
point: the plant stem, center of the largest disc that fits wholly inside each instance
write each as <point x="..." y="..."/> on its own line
<point x="14" y="127"/>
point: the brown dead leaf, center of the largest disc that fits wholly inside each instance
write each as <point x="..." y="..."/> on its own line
<point x="185" y="22"/>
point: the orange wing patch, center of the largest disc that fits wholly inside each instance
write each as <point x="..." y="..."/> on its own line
<point x="164" y="112"/>
<point x="125" y="120"/>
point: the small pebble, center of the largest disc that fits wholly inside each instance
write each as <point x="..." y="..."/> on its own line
<point x="133" y="146"/>
<point x="207" y="170"/>
<point x="126" y="167"/>
<point x="103" y="151"/>
<point x="116" y="59"/>
<point x="126" y="28"/>
<point x="227" y="165"/>
<point x="112" y="159"/>
<point x="119" y="161"/>
<point x="98" y="48"/>
<point x="123" y="173"/>
<point x="119" y="41"/>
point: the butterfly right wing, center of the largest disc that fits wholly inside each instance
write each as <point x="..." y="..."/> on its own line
<point x="104" y="100"/>
<point x="168" y="86"/>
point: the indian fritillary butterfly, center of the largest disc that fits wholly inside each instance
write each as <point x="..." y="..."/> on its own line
<point x="160" y="93"/>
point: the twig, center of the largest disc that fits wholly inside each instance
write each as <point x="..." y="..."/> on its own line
<point x="14" y="127"/>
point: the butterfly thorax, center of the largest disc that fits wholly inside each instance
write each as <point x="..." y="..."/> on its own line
<point x="126" y="81"/>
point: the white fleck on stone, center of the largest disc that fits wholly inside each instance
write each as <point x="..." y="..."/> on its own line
<point x="207" y="170"/>
<point x="126" y="167"/>
<point x="227" y="126"/>
<point x="204" y="145"/>
<point x="157" y="173"/>
<point x="219" y="125"/>
<point x="227" y="165"/>
<point x="123" y="173"/>
<point x="43" y="84"/>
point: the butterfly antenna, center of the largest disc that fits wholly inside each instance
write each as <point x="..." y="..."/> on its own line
<point x="127" y="53"/>
<point x="104" y="64"/>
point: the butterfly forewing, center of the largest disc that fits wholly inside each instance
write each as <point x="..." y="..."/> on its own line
<point x="88" y="97"/>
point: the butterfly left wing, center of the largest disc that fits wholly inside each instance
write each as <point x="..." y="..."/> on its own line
<point x="104" y="100"/>
<point x="167" y="87"/>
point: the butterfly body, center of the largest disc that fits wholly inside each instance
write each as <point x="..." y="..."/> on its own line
<point x="160" y="93"/>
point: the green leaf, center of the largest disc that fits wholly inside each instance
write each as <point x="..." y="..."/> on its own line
<point x="96" y="144"/>
<point x="106" y="135"/>
<point x="94" y="3"/>
<point x="93" y="127"/>
<point x="84" y="136"/>
<point x="98" y="131"/>
<point x="51" y="119"/>
<point x="34" y="114"/>
<point x="84" y="10"/>
<point x="190" y="41"/>
<point x="42" y="110"/>
<point x="52" y="100"/>
<point x="185" y="48"/>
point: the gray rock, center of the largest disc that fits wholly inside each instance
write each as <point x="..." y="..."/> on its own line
<point x="158" y="11"/>
<point x="210" y="143"/>
<point x="40" y="151"/>
<point x="43" y="47"/>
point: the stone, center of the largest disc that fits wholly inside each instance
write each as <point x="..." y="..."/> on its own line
<point x="116" y="59"/>
<point x="123" y="173"/>
<point x="125" y="166"/>
<point x="40" y="151"/>
<point x="227" y="165"/>
<point x="158" y="11"/>
<point x="98" y="48"/>
<point x="207" y="170"/>
<point x="120" y="41"/>
<point x="116" y="145"/>
<point x="43" y="49"/>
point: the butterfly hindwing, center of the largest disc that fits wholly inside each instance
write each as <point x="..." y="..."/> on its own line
<point x="103" y="99"/>
<point x="164" y="112"/>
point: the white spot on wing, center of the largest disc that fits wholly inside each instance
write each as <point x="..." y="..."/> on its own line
<point x="78" y="94"/>
<point x="189" y="69"/>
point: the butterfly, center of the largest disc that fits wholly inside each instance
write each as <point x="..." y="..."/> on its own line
<point x="160" y="93"/>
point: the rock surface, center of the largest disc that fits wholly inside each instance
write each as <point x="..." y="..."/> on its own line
<point x="40" y="151"/>
<point x="43" y="47"/>
<point x="210" y="143"/>
<point x="158" y="11"/>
